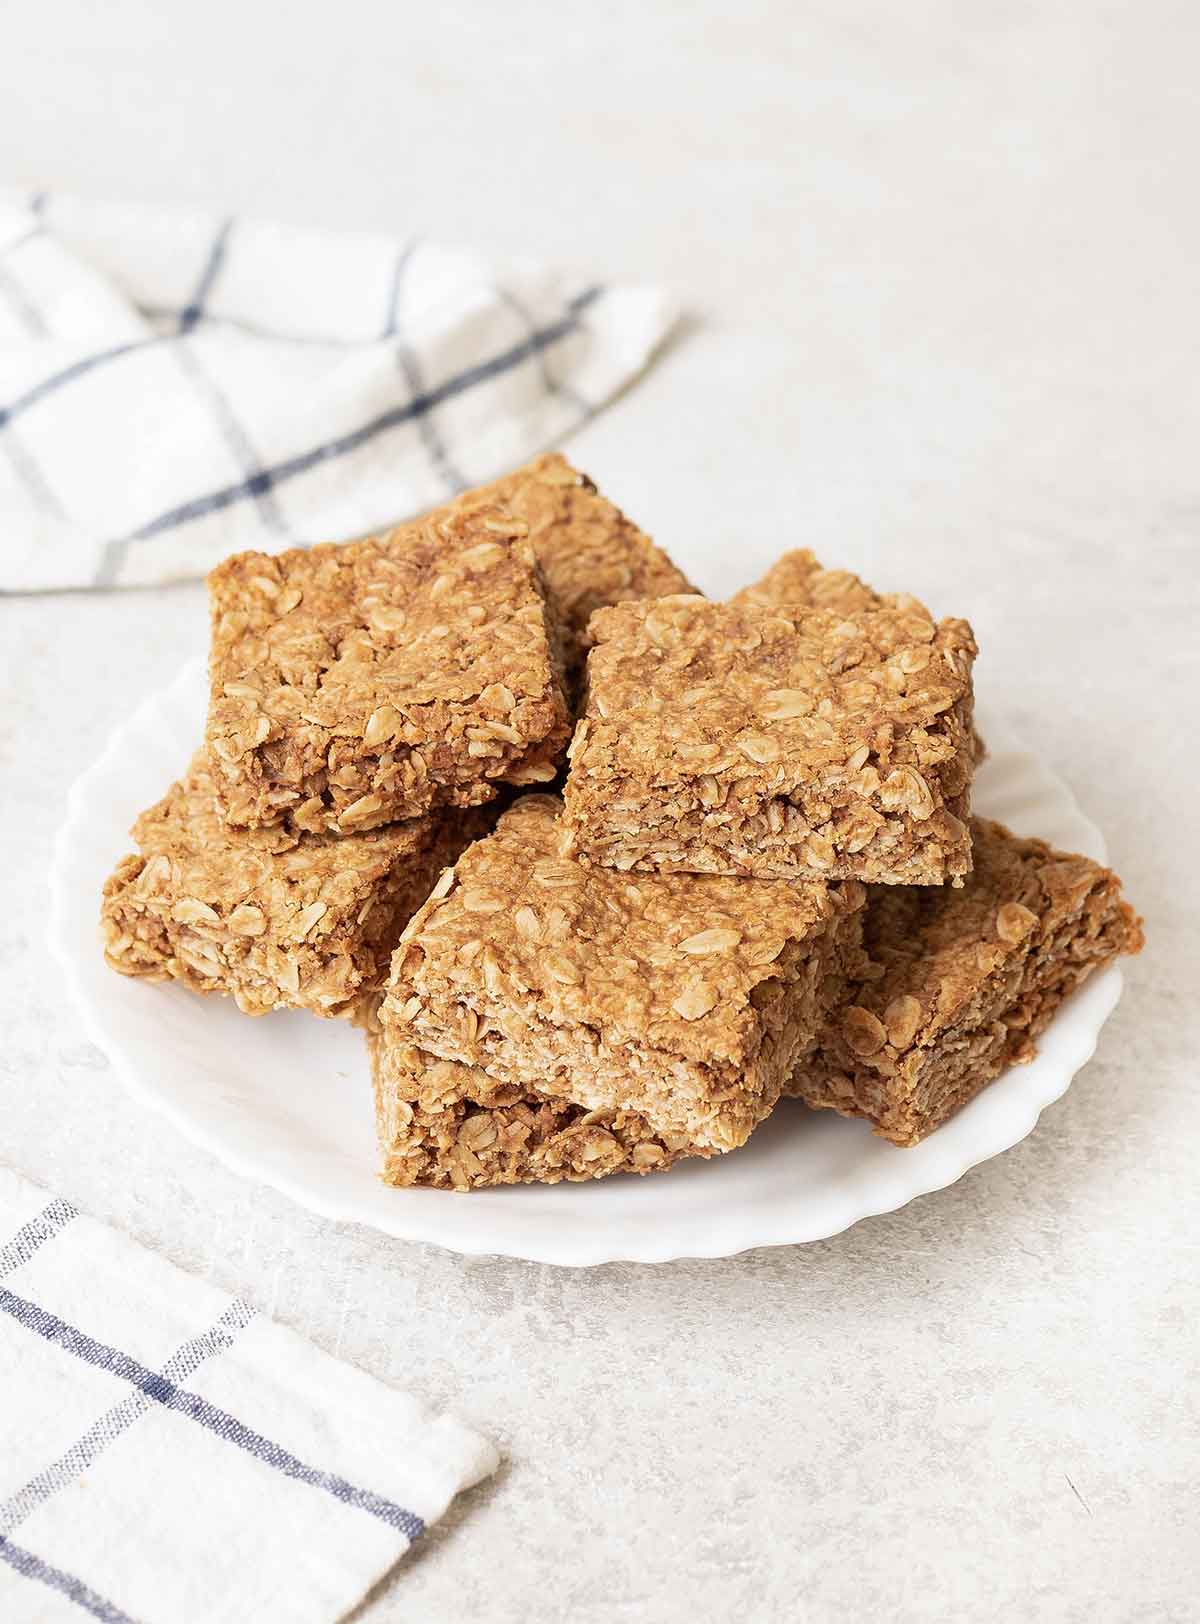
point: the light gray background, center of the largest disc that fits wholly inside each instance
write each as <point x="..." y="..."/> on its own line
<point x="942" y="264"/>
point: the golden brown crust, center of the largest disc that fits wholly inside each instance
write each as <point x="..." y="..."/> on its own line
<point x="683" y="998"/>
<point x="800" y="743"/>
<point x="275" y="919"/>
<point x="356" y="684"/>
<point x="799" y="579"/>
<point x="962" y="981"/>
<point x="590" y="553"/>
<point x="452" y="1127"/>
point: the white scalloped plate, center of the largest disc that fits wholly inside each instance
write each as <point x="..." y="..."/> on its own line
<point x="286" y="1099"/>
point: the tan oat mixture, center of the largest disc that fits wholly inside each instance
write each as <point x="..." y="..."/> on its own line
<point x="274" y="919"/>
<point x="358" y="684"/>
<point x="686" y="999"/>
<point x="800" y="580"/>
<point x="452" y="1127"/>
<point x="735" y="739"/>
<point x="590" y="553"/>
<point x="962" y="982"/>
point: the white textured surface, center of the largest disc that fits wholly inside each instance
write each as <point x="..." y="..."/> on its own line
<point x="943" y="265"/>
<point x="288" y="1103"/>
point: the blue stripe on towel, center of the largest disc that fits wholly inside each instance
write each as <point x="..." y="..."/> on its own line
<point x="30" y="1236"/>
<point x="194" y="309"/>
<point x="158" y="1387"/>
<point x="88" y="1448"/>
<point x="77" y="369"/>
<point x="32" y="1567"/>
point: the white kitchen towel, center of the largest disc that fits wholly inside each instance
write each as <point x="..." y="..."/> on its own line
<point x="169" y="1456"/>
<point x="175" y="387"/>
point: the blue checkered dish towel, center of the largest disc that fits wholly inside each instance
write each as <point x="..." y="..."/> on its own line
<point x="169" y="1456"/>
<point x="175" y="387"/>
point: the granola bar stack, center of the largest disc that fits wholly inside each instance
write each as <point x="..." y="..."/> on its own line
<point x="756" y="874"/>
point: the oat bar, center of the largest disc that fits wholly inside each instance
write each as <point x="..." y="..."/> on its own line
<point x="452" y="1127"/>
<point x="686" y="999"/>
<point x="962" y="981"/>
<point x="783" y="744"/>
<point x="799" y="579"/>
<point x="275" y="919"/>
<point x="358" y="684"/>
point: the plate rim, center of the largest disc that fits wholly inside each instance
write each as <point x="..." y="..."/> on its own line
<point x="724" y="1238"/>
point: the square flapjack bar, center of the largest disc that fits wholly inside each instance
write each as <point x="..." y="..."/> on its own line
<point x="775" y="743"/>
<point x="453" y="1127"/>
<point x="358" y="684"/>
<point x="962" y="981"/>
<point x="591" y="555"/>
<point x="275" y="919"/>
<point x="800" y="580"/>
<point x="685" y="999"/>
